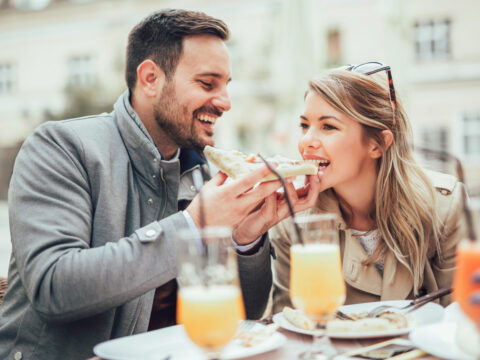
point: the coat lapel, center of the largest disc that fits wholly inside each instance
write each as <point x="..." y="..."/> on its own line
<point x="357" y="275"/>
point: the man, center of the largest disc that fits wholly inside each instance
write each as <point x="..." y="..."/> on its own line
<point x="95" y="202"/>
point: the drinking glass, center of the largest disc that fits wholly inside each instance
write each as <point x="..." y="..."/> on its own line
<point x="210" y="304"/>
<point x="316" y="282"/>
<point x="466" y="281"/>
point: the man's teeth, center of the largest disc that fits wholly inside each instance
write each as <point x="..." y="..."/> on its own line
<point x="206" y="118"/>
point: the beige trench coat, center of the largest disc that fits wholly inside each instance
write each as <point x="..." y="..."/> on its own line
<point x="364" y="283"/>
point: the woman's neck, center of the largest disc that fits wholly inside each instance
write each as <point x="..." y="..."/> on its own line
<point x="357" y="202"/>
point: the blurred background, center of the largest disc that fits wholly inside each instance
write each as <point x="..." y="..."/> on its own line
<point x="65" y="58"/>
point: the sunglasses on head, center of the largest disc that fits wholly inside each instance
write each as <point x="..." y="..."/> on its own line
<point x="373" y="67"/>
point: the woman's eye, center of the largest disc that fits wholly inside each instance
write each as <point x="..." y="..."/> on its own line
<point x="304" y="126"/>
<point x="328" y="127"/>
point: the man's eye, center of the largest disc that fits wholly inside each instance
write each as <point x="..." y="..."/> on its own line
<point x="206" y="84"/>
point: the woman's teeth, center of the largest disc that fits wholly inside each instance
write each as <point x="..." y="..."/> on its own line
<point x="323" y="164"/>
<point x="320" y="163"/>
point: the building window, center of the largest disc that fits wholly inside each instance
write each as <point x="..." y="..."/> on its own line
<point x="7" y="81"/>
<point x="81" y="71"/>
<point x="471" y="135"/>
<point x="432" y="40"/>
<point x="333" y="47"/>
<point x="435" y="139"/>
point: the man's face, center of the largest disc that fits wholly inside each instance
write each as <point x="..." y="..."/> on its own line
<point x="191" y="102"/>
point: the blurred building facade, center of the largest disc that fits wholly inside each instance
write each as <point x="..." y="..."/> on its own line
<point x="61" y="57"/>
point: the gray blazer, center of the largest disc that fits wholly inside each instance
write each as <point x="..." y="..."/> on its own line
<point x="84" y="197"/>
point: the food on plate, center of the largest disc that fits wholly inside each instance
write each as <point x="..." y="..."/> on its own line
<point x="237" y="164"/>
<point x="256" y="335"/>
<point x="386" y="321"/>
<point x="298" y="318"/>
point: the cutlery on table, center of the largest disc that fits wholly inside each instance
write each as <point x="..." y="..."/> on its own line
<point x="412" y="305"/>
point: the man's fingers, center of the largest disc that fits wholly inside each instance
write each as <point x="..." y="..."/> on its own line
<point x="249" y="181"/>
<point x="219" y="178"/>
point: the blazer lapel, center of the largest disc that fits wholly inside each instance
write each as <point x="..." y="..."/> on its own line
<point x="357" y="275"/>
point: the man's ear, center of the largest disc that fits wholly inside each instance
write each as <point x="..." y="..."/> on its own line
<point x="150" y="78"/>
<point x="376" y="150"/>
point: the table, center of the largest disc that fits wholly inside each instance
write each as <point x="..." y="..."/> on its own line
<point x="297" y="343"/>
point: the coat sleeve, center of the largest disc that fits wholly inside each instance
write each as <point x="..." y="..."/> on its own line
<point x="281" y="267"/>
<point x="452" y="232"/>
<point x="256" y="280"/>
<point x="51" y="212"/>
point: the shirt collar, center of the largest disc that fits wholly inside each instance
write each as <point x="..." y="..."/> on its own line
<point x="189" y="159"/>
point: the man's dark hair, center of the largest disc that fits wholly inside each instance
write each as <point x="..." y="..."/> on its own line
<point x="159" y="37"/>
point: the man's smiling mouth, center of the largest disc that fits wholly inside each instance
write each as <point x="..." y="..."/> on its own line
<point x="207" y="119"/>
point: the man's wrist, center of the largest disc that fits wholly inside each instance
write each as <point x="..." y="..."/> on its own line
<point x="251" y="248"/>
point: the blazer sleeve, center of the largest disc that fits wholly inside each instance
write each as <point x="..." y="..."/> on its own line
<point x="51" y="216"/>
<point x="256" y="280"/>
<point x="281" y="267"/>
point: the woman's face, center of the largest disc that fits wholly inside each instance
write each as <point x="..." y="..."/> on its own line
<point x="337" y="141"/>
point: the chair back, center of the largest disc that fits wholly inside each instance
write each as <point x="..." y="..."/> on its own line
<point x="3" y="288"/>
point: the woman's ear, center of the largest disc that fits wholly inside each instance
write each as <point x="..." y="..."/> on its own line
<point x="376" y="149"/>
<point x="387" y="138"/>
<point x="150" y="78"/>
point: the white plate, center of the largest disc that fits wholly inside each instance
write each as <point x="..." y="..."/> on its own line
<point x="174" y="342"/>
<point x="426" y="314"/>
<point x="439" y="340"/>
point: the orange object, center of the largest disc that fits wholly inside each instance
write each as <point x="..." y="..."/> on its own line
<point x="316" y="281"/>
<point x="211" y="315"/>
<point x="464" y="284"/>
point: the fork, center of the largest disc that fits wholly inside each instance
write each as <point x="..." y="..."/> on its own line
<point x="246" y="325"/>
<point x="412" y="305"/>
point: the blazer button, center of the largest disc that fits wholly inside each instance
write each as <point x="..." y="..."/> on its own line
<point x="150" y="201"/>
<point x="18" y="355"/>
<point x="150" y="233"/>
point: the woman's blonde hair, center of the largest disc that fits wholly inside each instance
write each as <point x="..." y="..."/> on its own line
<point x="404" y="209"/>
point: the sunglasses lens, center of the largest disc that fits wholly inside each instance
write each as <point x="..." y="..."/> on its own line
<point x="368" y="68"/>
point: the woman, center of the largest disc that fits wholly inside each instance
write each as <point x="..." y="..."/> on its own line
<point x="399" y="225"/>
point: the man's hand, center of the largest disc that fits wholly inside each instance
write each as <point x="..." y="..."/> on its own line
<point x="275" y="208"/>
<point x="229" y="204"/>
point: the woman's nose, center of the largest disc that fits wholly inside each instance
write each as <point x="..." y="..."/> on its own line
<point x="311" y="139"/>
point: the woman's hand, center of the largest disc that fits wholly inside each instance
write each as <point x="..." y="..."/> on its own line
<point x="275" y="208"/>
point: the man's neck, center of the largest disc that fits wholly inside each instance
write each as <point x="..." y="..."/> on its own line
<point x="162" y="141"/>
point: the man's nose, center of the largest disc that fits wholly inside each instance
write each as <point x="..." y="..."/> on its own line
<point x="222" y="100"/>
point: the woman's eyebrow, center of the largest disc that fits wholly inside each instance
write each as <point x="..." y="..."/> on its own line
<point x="322" y="118"/>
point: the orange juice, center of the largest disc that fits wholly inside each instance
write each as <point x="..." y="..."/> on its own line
<point x="316" y="281"/>
<point x="211" y="314"/>
<point x="467" y="261"/>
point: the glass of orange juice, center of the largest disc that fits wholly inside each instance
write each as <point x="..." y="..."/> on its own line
<point x="316" y="282"/>
<point x="210" y="304"/>
<point x="466" y="282"/>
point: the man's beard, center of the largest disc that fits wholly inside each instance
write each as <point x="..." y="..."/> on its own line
<point x="175" y="121"/>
